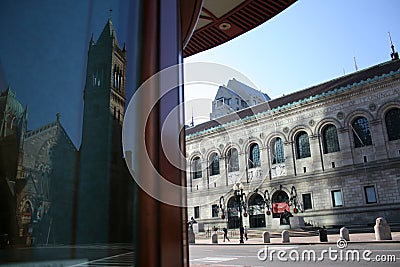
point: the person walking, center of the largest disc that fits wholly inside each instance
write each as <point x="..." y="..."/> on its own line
<point x="225" y="233"/>
<point x="245" y="232"/>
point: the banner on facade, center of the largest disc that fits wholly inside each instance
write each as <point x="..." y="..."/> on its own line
<point x="280" y="207"/>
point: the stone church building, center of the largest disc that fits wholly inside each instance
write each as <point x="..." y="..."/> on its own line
<point x="37" y="172"/>
<point x="328" y="154"/>
<point x="52" y="192"/>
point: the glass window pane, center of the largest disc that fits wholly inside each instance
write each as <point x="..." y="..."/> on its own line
<point x="303" y="146"/>
<point x="370" y="194"/>
<point x="361" y="132"/>
<point x="233" y="160"/>
<point x="307" y="204"/>
<point x="278" y="154"/>
<point x="214" y="210"/>
<point x="197" y="172"/>
<point x="214" y="165"/>
<point x="197" y="212"/>
<point x="392" y="119"/>
<point x="337" y="198"/>
<point x="330" y="139"/>
<point x="254" y="159"/>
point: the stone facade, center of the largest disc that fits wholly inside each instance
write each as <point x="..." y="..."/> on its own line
<point x="44" y="204"/>
<point x="36" y="179"/>
<point x="329" y="153"/>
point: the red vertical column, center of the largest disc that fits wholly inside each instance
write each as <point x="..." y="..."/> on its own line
<point x="161" y="231"/>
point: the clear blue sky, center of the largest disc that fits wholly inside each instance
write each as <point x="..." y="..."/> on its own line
<point x="310" y="42"/>
<point x="43" y="49"/>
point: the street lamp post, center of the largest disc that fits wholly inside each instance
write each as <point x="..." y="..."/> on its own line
<point x="240" y="200"/>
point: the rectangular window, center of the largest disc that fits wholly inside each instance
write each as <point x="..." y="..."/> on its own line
<point x="337" y="199"/>
<point x="214" y="210"/>
<point x="229" y="101"/>
<point x="307" y="204"/>
<point x="370" y="194"/>
<point x="196" y="212"/>
<point x="333" y="165"/>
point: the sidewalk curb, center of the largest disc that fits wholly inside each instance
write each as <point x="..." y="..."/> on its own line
<point x="296" y="243"/>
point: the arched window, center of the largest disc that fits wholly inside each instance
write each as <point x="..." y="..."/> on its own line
<point x="278" y="154"/>
<point x="303" y="145"/>
<point x="115" y="76"/>
<point x="330" y="139"/>
<point x="214" y="164"/>
<point x="361" y="132"/>
<point x="392" y="120"/>
<point x="232" y="160"/>
<point x="254" y="157"/>
<point x="196" y="168"/>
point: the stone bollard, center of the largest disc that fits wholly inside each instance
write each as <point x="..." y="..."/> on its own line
<point x="382" y="229"/>
<point x="266" y="237"/>
<point x="214" y="238"/>
<point x="285" y="236"/>
<point x="344" y="233"/>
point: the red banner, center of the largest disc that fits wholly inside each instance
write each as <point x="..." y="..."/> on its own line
<point x="280" y="207"/>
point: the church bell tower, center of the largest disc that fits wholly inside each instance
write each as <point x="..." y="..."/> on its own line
<point x="104" y="184"/>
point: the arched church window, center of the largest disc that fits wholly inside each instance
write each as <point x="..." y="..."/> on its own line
<point x="214" y="164"/>
<point x="303" y="145"/>
<point x="277" y="151"/>
<point x="196" y="167"/>
<point x="232" y="160"/>
<point x="392" y="120"/>
<point x="330" y="139"/>
<point x="115" y="76"/>
<point x="361" y="132"/>
<point x="254" y="156"/>
<point x="119" y="79"/>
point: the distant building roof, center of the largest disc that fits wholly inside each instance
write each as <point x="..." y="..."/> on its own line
<point x="241" y="88"/>
<point x="330" y="87"/>
<point x="244" y="95"/>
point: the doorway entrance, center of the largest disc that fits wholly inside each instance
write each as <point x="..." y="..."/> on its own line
<point x="256" y="211"/>
<point x="280" y="203"/>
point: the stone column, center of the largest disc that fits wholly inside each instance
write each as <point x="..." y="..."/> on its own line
<point x="289" y="158"/>
<point x="315" y="153"/>
<point x="243" y="168"/>
<point x="378" y="139"/>
<point x="346" y="146"/>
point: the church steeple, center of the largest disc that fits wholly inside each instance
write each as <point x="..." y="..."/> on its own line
<point x="101" y="149"/>
<point x="91" y="40"/>
<point x="108" y="34"/>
